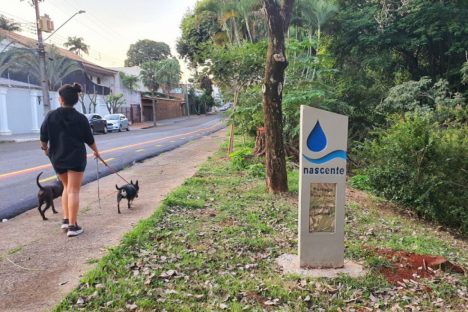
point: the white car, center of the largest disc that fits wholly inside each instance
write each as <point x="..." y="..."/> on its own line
<point x="225" y="107"/>
<point x="117" y="122"/>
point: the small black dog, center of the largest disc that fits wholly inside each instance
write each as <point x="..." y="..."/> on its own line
<point x="128" y="191"/>
<point x="47" y="194"/>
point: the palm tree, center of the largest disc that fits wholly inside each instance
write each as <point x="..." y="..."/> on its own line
<point x="315" y="14"/>
<point x="129" y="81"/>
<point x="77" y="45"/>
<point x="239" y="19"/>
<point x="5" y="61"/>
<point x="8" y="24"/>
<point x="246" y="8"/>
<point x="168" y="73"/>
<point x="57" y="66"/>
<point x="148" y="75"/>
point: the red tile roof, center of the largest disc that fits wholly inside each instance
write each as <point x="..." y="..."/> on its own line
<point x="32" y="43"/>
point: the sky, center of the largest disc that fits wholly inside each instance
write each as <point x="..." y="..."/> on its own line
<point x="108" y="26"/>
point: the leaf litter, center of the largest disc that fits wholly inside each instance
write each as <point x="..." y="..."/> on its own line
<point x="223" y="256"/>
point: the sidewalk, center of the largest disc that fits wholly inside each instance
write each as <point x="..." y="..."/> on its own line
<point x="39" y="265"/>
<point x="165" y="122"/>
<point x="18" y="138"/>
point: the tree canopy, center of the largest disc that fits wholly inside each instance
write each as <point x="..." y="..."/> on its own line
<point x="129" y="81"/>
<point x="114" y="102"/>
<point x="375" y="61"/>
<point x="146" y="50"/>
<point x="8" y="24"/>
<point x="57" y="66"/>
<point x="165" y="73"/>
<point x="168" y="73"/>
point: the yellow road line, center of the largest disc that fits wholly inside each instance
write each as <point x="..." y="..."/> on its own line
<point x="37" y="168"/>
<point x="139" y="150"/>
<point x="48" y="179"/>
<point x="108" y="159"/>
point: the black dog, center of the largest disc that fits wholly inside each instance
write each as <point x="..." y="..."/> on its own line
<point x="128" y="191"/>
<point x="47" y="194"/>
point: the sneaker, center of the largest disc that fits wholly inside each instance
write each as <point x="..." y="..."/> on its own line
<point x="74" y="230"/>
<point x="64" y="224"/>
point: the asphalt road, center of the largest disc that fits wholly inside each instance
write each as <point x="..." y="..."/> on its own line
<point x="20" y="163"/>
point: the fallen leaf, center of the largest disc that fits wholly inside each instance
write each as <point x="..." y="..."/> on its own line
<point x="131" y="307"/>
<point x="167" y="274"/>
<point x="271" y="302"/>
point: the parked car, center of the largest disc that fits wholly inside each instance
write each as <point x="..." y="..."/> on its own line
<point x="117" y="122"/>
<point x="225" y="107"/>
<point x="97" y="123"/>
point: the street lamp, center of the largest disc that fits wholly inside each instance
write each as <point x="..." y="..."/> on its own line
<point x="79" y="12"/>
<point x="41" y="52"/>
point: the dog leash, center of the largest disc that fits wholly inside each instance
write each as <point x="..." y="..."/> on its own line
<point x="98" y="188"/>
<point x="111" y="169"/>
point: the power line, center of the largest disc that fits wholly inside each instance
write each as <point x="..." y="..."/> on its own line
<point x="91" y="25"/>
<point x="99" y="23"/>
<point x="59" y="40"/>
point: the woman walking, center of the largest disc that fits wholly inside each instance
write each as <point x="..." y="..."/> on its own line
<point x="64" y="133"/>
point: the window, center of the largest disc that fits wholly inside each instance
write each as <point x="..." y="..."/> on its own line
<point x="98" y="80"/>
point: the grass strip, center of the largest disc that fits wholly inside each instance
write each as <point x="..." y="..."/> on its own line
<point x="213" y="243"/>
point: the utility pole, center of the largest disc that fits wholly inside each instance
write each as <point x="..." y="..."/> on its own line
<point x="187" y="104"/>
<point x="42" y="63"/>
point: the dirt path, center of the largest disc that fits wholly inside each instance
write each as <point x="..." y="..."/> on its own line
<point x="39" y="265"/>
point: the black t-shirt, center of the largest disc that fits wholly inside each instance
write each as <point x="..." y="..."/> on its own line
<point x="67" y="130"/>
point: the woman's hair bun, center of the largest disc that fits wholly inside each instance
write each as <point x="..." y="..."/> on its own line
<point x="77" y="87"/>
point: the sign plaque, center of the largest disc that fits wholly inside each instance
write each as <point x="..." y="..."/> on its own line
<point x="322" y="183"/>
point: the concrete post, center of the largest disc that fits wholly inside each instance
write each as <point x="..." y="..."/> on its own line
<point x="322" y="188"/>
<point x="34" y="104"/>
<point x="3" y="113"/>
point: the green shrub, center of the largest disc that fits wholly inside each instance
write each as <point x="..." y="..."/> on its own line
<point x="240" y="158"/>
<point x="422" y="163"/>
<point x="256" y="170"/>
<point x="360" y="181"/>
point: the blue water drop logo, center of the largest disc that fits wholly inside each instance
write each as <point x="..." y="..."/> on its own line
<point x="317" y="141"/>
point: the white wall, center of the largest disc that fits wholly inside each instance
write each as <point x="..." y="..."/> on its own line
<point x="19" y="110"/>
<point x="25" y="109"/>
<point x="131" y="97"/>
<point x="101" y="108"/>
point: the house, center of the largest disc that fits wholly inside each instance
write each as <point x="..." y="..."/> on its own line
<point x="140" y="100"/>
<point x="132" y="109"/>
<point x="18" y="88"/>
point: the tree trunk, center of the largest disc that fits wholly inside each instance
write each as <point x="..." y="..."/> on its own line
<point x="248" y="28"/>
<point x="276" y="63"/>
<point x="260" y="147"/>
<point x="317" y="52"/>
<point x="236" y="31"/>
<point x="154" y="109"/>
<point x="231" y="134"/>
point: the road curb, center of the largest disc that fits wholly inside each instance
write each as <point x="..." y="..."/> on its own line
<point x="105" y="172"/>
<point x="18" y="140"/>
